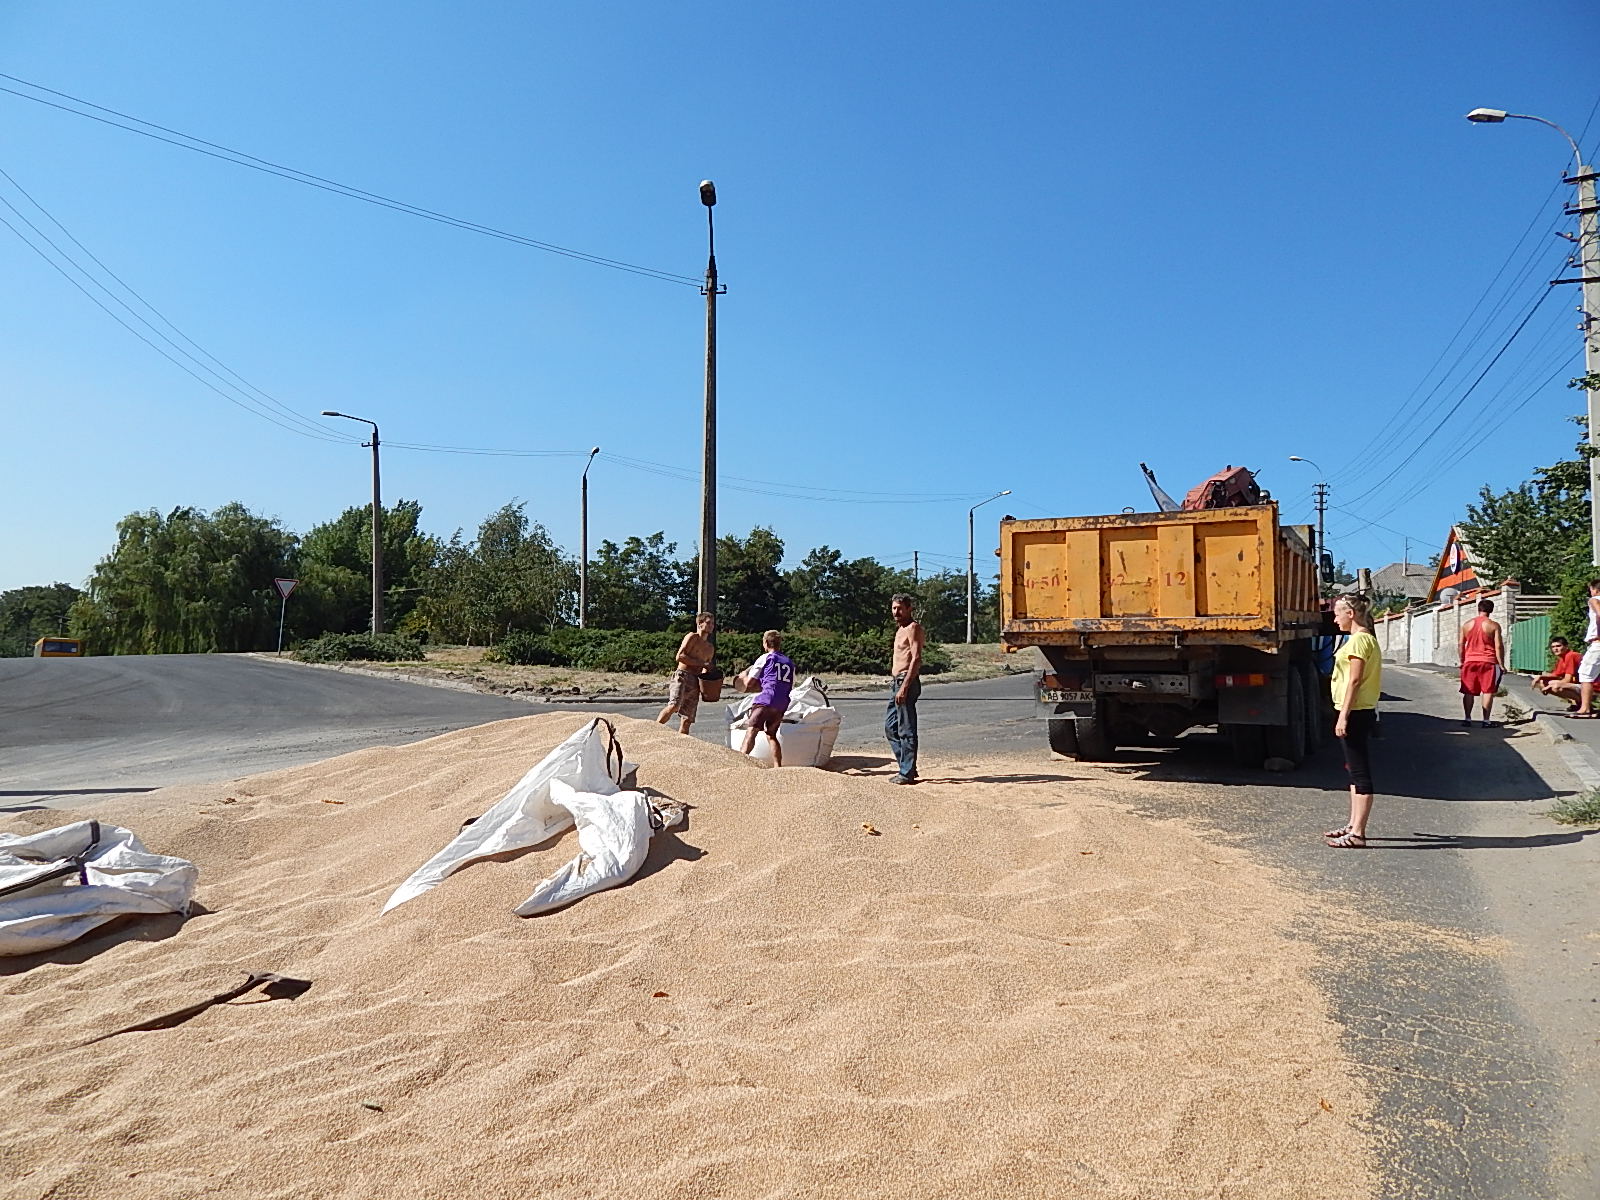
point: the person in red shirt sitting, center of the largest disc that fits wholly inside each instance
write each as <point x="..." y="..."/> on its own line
<point x="1561" y="680"/>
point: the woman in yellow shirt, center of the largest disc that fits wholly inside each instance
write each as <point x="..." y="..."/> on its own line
<point x="1357" y="682"/>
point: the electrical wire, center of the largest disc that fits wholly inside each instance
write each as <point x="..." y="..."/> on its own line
<point x="217" y="369"/>
<point x="1460" y="400"/>
<point x="186" y="369"/>
<point x="216" y="150"/>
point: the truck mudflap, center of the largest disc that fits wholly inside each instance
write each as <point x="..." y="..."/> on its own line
<point x="1255" y="699"/>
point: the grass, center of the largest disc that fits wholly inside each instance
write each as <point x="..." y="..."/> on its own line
<point x="1578" y="810"/>
<point x="465" y="664"/>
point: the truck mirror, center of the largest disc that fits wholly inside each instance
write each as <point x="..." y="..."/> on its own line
<point x="1327" y="567"/>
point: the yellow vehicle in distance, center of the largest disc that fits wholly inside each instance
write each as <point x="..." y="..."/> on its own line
<point x="58" y="647"/>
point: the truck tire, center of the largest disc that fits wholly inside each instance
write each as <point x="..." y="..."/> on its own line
<point x="1063" y="735"/>
<point x="1288" y="741"/>
<point x="1316" y="735"/>
<point x="1247" y="744"/>
<point x="1086" y="739"/>
<point x="1094" y="738"/>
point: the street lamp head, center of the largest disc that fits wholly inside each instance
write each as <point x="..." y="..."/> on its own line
<point x="595" y="451"/>
<point x="708" y="193"/>
<point x="1007" y="492"/>
<point x="1295" y="458"/>
<point x="328" y="412"/>
<point x="1487" y="116"/>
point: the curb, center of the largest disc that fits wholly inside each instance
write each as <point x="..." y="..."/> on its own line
<point x="454" y="685"/>
<point x="1583" y="762"/>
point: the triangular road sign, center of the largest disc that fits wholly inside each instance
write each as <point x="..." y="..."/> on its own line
<point x="285" y="586"/>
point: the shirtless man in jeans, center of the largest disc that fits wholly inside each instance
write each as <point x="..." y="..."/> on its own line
<point x="900" y="719"/>
<point x="694" y="656"/>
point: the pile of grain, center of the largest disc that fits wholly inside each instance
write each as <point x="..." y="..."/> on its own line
<point x="1011" y="989"/>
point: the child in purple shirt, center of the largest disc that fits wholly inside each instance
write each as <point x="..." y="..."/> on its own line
<point x="774" y="674"/>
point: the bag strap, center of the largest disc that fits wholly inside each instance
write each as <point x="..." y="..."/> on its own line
<point x="73" y="864"/>
<point x="613" y="749"/>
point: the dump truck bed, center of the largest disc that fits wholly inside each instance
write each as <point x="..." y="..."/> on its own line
<point x="1228" y="576"/>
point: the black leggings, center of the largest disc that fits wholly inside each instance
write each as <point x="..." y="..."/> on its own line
<point x="1357" y="758"/>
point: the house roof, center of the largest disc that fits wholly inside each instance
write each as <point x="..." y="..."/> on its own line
<point x="1409" y="579"/>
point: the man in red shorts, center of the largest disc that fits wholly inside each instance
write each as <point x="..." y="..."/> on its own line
<point x="1483" y="662"/>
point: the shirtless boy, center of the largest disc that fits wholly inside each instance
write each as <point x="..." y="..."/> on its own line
<point x="694" y="656"/>
<point x="900" y="719"/>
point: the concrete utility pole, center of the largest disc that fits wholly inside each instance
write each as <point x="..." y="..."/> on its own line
<point x="970" y="575"/>
<point x="583" y="541"/>
<point x="708" y="486"/>
<point x="377" y="521"/>
<point x="1587" y="260"/>
<point x="916" y="576"/>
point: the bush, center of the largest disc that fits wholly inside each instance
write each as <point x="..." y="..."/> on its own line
<point x="361" y="647"/>
<point x="633" y="652"/>
<point x="1578" y="810"/>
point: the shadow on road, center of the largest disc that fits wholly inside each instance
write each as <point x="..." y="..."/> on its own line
<point x="1420" y="756"/>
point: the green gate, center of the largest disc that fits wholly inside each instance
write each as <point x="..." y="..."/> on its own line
<point x="1530" y="644"/>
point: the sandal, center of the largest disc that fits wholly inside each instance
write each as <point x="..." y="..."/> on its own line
<point x="1348" y="840"/>
<point x="1337" y="833"/>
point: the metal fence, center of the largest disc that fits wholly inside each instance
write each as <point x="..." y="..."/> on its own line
<point x="1530" y="644"/>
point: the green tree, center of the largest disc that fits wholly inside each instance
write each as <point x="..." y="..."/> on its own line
<point x="334" y="567"/>
<point x="1537" y="531"/>
<point x="186" y="582"/>
<point x="638" y="585"/>
<point x="30" y="613"/>
<point x="511" y="577"/>
<point x="752" y="594"/>
<point x="828" y="592"/>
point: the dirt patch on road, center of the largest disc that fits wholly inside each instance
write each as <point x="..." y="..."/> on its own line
<point x="999" y="983"/>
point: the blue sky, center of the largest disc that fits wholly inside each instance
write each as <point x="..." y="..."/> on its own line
<point x="967" y="247"/>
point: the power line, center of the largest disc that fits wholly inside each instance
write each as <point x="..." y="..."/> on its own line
<point x="1462" y="399"/>
<point x="240" y="158"/>
<point x="244" y="386"/>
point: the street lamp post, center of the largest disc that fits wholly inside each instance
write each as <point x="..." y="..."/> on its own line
<point x="1586" y="210"/>
<point x="1322" y="505"/>
<point x="377" y="522"/>
<point x="708" y="486"/>
<point x="583" y="542"/>
<point x="970" y="575"/>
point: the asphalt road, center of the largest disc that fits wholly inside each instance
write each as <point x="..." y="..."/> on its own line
<point x="1468" y="979"/>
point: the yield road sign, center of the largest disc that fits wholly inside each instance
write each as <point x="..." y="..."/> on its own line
<point x="285" y="586"/>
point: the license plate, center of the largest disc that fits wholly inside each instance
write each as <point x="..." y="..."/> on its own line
<point x="1062" y="696"/>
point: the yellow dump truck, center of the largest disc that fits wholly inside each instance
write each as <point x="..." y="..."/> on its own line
<point x="1152" y="623"/>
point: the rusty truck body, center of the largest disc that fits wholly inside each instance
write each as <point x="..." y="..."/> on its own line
<point x="1152" y="623"/>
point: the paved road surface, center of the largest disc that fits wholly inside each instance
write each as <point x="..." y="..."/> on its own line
<point x="71" y="729"/>
<point x="1483" y="1048"/>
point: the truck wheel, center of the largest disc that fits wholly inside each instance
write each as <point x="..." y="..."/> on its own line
<point x="1311" y="682"/>
<point x="1063" y="735"/>
<point x="1247" y="744"/>
<point x="1289" y="740"/>
<point x="1094" y="739"/>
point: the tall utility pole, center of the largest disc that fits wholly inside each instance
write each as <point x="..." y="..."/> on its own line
<point x="377" y="521"/>
<point x="971" y="576"/>
<point x="708" y="485"/>
<point x="916" y="576"/>
<point x="583" y="541"/>
<point x="1587" y="260"/>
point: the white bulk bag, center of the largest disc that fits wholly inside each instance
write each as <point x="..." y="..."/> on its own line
<point x="809" y="729"/>
<point x="58" y="885"/>
<point x="613" y="839"/>
<point x="586" y="762"/>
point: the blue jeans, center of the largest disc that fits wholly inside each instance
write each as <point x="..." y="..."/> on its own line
<point x="900" y="725"/>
